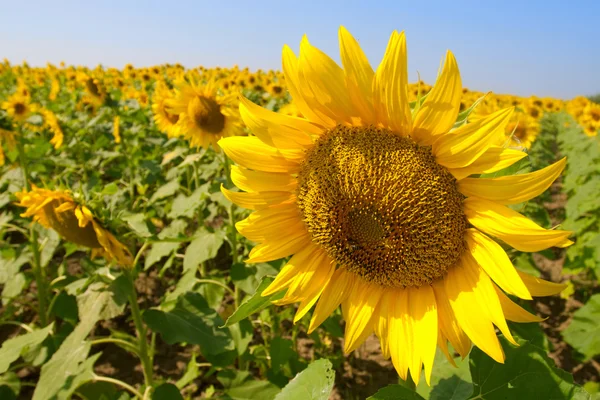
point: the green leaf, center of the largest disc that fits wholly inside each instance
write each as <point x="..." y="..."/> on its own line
<point x="191" y="321"/>
<point x="137" y="222"/>
<point x="204" y="247"/>
<point x="453" y="388"/>
<point x="186" y="206"/>
<point x="166" y="391"/>
<point x="583" y="333"/>
<point x="191" y="373"/>
<point x="528" y="373"/>
<point x="281" y="351"/>
<point x="10" y="386"/>
<point x="59" y="374"/>
<point x="395" y="392"/>
<point x="255" y="303"/>
<point x="49" y="241"/>
<point x="13" y="348"/>
<point x="163" y="249"/>
<point x="314" y="383"/>
<point x="166" y="190"/>
<point x="446" y="378"/>
<point x="251" y="390"/>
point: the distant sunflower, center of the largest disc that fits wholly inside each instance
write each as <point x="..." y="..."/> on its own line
<point x="164" y="118"/>
<point x="7" y="137"/>
<point x="374" y="202"/>
<point x="74" y="222"/>
<point x="18" y="107"/>
<point x="204" y="115"/>
<point x="116" y="130"/>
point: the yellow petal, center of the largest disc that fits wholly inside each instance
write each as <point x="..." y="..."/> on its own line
<point x="513" y="189"/>
<point x="317" y="285"/>
<point x="275" y="249"/>
<point x="381" y="324"/>
<point x="251" y="152"/>
<point x="400" y="343"/>
<point x="541" y="287"/>
<point x="362" y="305"/>
<point x="423" y="310"/>
<point x="258" y="181"/>
<point x="272" y="223"/>
<point x="466" y="144"/>
<point x="438" y="112"/>
<point x="291" y="270"/>
<point x="460" y="283"/>
<point x="323" y="84"/>
<point x="359" y="76"/>
<point x="292" y="80"/>
<point x="257" y="201"/>
<point x="443" y="345"/>
<point x="448" y="323"/>
<point x="494" y="261"/>
<point x="278" y="130"/>
<point x="317" y="267"/>
<point x="510" y="226"/>
<point x="514" y="312"/>
<point x="391" y="87"/>
<point x="336" y="291"/>
<point x="494" y="159"/>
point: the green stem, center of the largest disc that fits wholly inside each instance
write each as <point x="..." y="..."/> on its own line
<point x="119" y="383"/>
<point x="38" y="271"/>
<point x="224" y="286"/>
<point x="233" y="233"/>
<point x="144" y="352"/>
<point x="129" y="346"/>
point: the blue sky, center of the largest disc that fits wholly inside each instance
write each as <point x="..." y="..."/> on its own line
<point x="546" y="48"/>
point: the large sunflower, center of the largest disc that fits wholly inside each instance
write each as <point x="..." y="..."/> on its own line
<point x="164" y="118"/>
<point x="18" y="107"/>
<point x="205" y="114"/>
<point x="74" y="222"/>
<point x="375" y="203"/>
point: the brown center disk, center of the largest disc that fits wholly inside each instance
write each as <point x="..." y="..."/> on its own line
<point x="207" y="115"/>
<point x="381" y="206"/>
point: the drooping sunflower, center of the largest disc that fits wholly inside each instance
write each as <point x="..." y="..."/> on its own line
<point x="18" y="107"/>
<point x="376" y="204"/>
<point x="205" y="114"/>
<point x="73" y="221"/>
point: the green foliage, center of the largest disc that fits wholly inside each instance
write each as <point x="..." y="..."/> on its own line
<point x="314" y="383"/>
<point x="583" y="333"/>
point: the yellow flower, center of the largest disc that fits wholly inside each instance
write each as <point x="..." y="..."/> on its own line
<point x="51" y="122"/>
<point x="18" y="107"/>
<point x="74" y="222"/>
<point x="374" y="202"/>
<point x="164" y="118"/>
<point x="8" y="137"/>
<point x="204" y="115"/>
<point x="116" y="131"/>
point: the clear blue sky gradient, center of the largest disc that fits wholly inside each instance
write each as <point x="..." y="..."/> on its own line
<point x="544" y="48"/>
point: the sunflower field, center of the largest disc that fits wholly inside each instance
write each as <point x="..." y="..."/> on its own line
<point x="324" y="232"/>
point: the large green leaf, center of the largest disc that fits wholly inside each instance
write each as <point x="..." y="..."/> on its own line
<point x="163" y="249"/>
<point x="447" y="381"/>
<point x="584" y="331"/>
<point x="314" y="383"/>
<point x="14" y="347"/>
<point x="204" y="247"/>
<point x="167" y="391"/>
<point x="527" y="373"/>
<point x="254" y="303"/>
<point x="191" y="321"/>
<point x="395" y="392"/>
<point x="61" y="374"/>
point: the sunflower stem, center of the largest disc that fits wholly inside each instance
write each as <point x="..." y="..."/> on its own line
<point x="144" y="352"/>
<point x="38" y="271"/>
<point x="232" y="231"/>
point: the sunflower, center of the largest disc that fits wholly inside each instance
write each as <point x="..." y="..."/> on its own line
<point x="374" y="202"/>
<point x="164" y="118"/>
<point x="205" y="116"/>
<point x="74" y="222"/>
<point x="116" y="131"/>
<point x="18" y="107"/>
<point x="8" y="137"/>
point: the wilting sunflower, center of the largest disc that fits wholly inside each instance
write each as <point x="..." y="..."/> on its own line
<point x="74" y="222"/>
<point x="205" y="116"/>
<point x="18" y="107"/>
<point x="375" y="203"/>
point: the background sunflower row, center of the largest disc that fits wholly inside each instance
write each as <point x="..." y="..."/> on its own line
<point x="129" y="160"/>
